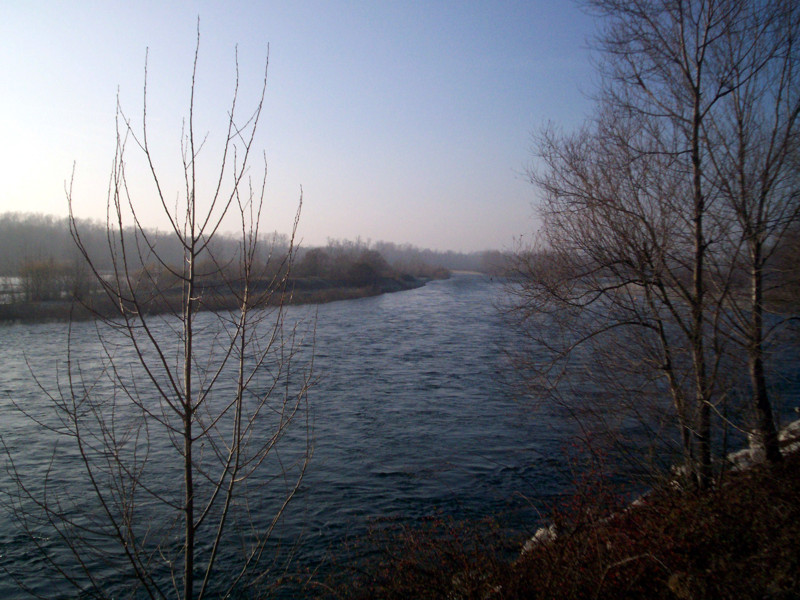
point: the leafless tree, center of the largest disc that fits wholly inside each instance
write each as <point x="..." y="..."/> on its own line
<point x="176" y="426"/>
<point x="753" y="148"/>
<point x="636" y="206"/>
<point x="604" y="295"/>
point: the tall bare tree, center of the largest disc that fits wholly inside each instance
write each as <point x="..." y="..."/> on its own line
<point x="637" y="205"/>
<point x="612" y="275"/>
<point x="753" y="147"/>
<point x="176" y="430"/>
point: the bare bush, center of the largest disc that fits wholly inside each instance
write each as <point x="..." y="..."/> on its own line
<point x="168" y="426"/>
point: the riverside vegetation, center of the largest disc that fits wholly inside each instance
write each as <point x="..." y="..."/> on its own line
<point x="46" y="278"/>
<point x="737" y="540"/>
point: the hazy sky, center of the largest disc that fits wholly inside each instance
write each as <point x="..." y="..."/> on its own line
<point x="402" y="121"/>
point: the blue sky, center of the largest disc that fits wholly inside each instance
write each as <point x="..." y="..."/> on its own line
<point x="402" y="121"/>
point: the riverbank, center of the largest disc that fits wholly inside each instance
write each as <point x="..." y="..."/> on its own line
<point x="303" y="290"/>
<point x="740" y="539"/>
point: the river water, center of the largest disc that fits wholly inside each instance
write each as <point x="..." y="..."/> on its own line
<point x="411" y="418"/>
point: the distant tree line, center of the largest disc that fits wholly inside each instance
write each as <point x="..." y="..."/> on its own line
<point x="39" y="251"/>
<point x="415" y="260"/>
<point x="404" y="259"/>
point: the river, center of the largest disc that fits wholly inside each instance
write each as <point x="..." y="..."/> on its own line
<point x="411" y="418"/>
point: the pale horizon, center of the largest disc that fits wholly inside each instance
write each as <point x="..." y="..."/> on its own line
<point x="402" y="123"/>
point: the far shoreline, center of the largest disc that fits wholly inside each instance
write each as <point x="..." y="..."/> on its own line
<point x="310" y="290"/>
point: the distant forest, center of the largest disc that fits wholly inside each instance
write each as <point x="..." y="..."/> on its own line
<point x="33" y="241"/>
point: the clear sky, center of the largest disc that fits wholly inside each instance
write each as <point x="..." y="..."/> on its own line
<point x="404" y="121"/>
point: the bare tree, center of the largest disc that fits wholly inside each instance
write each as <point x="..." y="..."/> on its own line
<point x="753" y="147"/>
<point x="636" y="206"/>
<point x="605" y="295"/>
<point x="176" y="426"/>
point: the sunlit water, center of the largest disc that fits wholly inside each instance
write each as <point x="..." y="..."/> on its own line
<point x="411" y="418"/>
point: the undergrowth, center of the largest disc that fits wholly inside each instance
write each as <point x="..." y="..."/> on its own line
<point x="738" y="540"/>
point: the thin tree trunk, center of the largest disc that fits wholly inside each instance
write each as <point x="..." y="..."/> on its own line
<point x="765" y="423"/>
<point x="188" y="417"/>
<point x="702" y="393"/>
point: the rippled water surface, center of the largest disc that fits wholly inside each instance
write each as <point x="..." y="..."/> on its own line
<point x="411" y="410"/>
<point x="410" y="414"/>
<point x="411" y="418"/>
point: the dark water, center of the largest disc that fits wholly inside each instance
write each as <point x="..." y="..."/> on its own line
<point x="412" y="414"/>
<point x="411" y="418"/>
